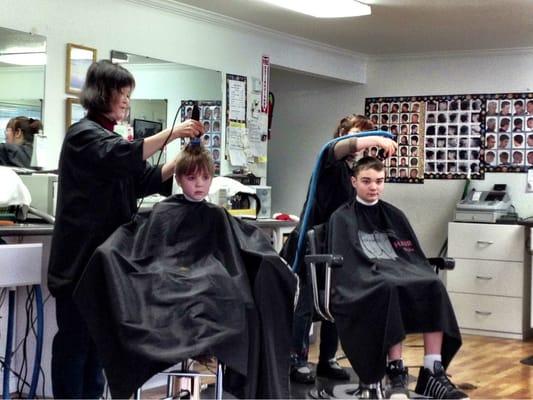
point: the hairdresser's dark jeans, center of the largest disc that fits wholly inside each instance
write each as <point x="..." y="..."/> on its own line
<point x="76" y="370"/>
<point x="303" y="318"/>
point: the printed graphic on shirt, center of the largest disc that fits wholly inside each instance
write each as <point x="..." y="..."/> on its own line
<point x="376" y="245"/>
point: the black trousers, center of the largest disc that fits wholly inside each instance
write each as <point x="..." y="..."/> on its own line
<point x="76" y="369"/>
<point x="303" y="318"/>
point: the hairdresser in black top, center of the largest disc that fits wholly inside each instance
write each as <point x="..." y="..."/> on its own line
<point x="18" y="149"/>
<point x="100" y="177"/>
<point x="334" y="188"/>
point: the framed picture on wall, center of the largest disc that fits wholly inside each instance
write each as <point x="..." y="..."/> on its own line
<point x="74" y="111"/>
<point x="79" y="58"/>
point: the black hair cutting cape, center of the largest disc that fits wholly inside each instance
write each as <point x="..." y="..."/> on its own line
<point x="385" y="289"/>
<point x="186" y="280"/>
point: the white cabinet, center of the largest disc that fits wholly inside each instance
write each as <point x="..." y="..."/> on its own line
<point x="489" y="287"/>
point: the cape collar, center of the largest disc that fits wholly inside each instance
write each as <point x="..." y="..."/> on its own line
<point x="366" y="203"/>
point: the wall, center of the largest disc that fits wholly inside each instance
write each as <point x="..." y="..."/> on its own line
<point x="165" y="30"/>
<point x="484" y="72"/>
<point x="306" y="112"/>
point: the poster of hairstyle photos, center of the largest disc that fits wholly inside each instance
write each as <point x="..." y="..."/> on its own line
<point x="401" y="116"/>
<point x="210" y="116"/>
<point x="453" y="137"/>
<point x="509" y="133"/>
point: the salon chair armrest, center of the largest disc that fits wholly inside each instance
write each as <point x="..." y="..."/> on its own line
<point x="333" y="261"/>
<point x="442" y="263"/>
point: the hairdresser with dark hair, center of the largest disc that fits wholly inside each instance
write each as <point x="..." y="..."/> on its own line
<point x="100" y="177"/>
<point x="334" y="188"/>
<point x="18" y="149"/>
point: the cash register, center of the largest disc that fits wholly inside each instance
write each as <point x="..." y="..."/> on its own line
<point x="484" y="206"/>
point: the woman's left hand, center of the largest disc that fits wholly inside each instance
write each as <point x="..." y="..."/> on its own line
<point x="389" y="146"/>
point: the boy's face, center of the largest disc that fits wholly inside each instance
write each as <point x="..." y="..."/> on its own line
<point x="196" y="185"/>
<point x="369" y="184"/>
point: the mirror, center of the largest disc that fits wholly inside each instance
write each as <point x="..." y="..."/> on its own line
<point x="161" y="87"/>
<point x="22" y="68"/>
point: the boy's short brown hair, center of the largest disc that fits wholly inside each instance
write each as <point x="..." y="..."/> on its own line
<point x="192" y="159"/>
<point x="367" y="163"/>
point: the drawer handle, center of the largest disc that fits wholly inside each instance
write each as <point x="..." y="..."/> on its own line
<point x="485" y="242"/>
<point x="484" y="278"/>
<point x="483" y="313"/>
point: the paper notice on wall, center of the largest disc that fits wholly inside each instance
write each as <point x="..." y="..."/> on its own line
<point x="529" y="186"/>
<point x="237" y="100"/>
<point x="235" y="134"/>
<point x="41" y="150"/>
<point x="257" y="136"/>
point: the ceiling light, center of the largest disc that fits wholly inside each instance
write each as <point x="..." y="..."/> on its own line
<point x="325" y="8"/>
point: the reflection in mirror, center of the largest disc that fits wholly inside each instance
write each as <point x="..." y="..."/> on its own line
<point x="22" y="68"/>
<point x="160" y="88"/>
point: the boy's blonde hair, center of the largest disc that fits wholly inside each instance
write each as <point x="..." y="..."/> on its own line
<point x="193" y="159"/>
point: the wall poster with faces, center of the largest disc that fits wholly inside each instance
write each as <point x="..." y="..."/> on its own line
<point x="439" y="137"/>
<point x="210" y="116"/>
<point x="508" y="132"/>
<point x="403" y="117"/>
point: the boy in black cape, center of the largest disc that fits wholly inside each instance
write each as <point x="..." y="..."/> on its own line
<point x="387" y="289"/>
<point x="190" y="280"/>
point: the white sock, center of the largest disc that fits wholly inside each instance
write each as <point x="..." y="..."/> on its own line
<point x="429" y="360"/>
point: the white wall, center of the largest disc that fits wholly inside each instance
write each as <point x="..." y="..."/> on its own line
<point x="430" y="206"/>
<point x="162" y="30"/>
<point x="306" y="112"/>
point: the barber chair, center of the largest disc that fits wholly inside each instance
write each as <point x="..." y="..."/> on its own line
<point x="319" y="266"/>
<point x="185" y="383"/>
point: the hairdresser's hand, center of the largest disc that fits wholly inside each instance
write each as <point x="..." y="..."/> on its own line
<point x="389" y="146"/>
<point x="188" y="128"/>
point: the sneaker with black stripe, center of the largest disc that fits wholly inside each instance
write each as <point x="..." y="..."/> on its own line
<point x="437" y="385"/>
<point x="398" y="379"/>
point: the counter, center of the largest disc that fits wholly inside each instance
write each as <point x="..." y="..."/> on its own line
<point x="26" y="229"/>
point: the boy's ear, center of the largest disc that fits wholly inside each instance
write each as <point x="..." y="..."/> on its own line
<point x="354" y="181"/>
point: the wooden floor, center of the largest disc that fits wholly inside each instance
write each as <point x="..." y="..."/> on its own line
<point x="485" y="367"/>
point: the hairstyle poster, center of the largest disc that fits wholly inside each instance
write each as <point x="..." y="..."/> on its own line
<point x="403" y="117"/>
<point x="439" y="137"/>
<point x="508" y="133"/>
<point x="210" y="116"/>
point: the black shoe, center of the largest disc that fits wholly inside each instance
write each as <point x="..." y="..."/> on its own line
<point x="398" y="377"/>
<point x="365" y="391"/>
<point x="332" y="370"/>
<point x="437" y="384"/>
<point x="302" y="374"/>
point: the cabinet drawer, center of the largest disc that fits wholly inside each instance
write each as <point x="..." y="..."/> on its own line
<point x="492" y="313"/>
<point x="486" y="241"/>
<point x="500" y="278"/>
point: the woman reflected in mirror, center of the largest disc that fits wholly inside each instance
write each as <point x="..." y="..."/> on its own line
<point x="18" y="148"/>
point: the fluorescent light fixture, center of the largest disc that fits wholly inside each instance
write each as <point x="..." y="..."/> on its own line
<point x="24" y="58"/>
<point x="325" y="8"/>
<point x="118" y="57"/>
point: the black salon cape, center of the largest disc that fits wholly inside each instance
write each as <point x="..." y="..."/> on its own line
<point x="385" y="288"/>
<point x="333" y="189"/>
<point x="101" y="175"/>
<point x="188" y="280"/>
<point x="14" y="155"/>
